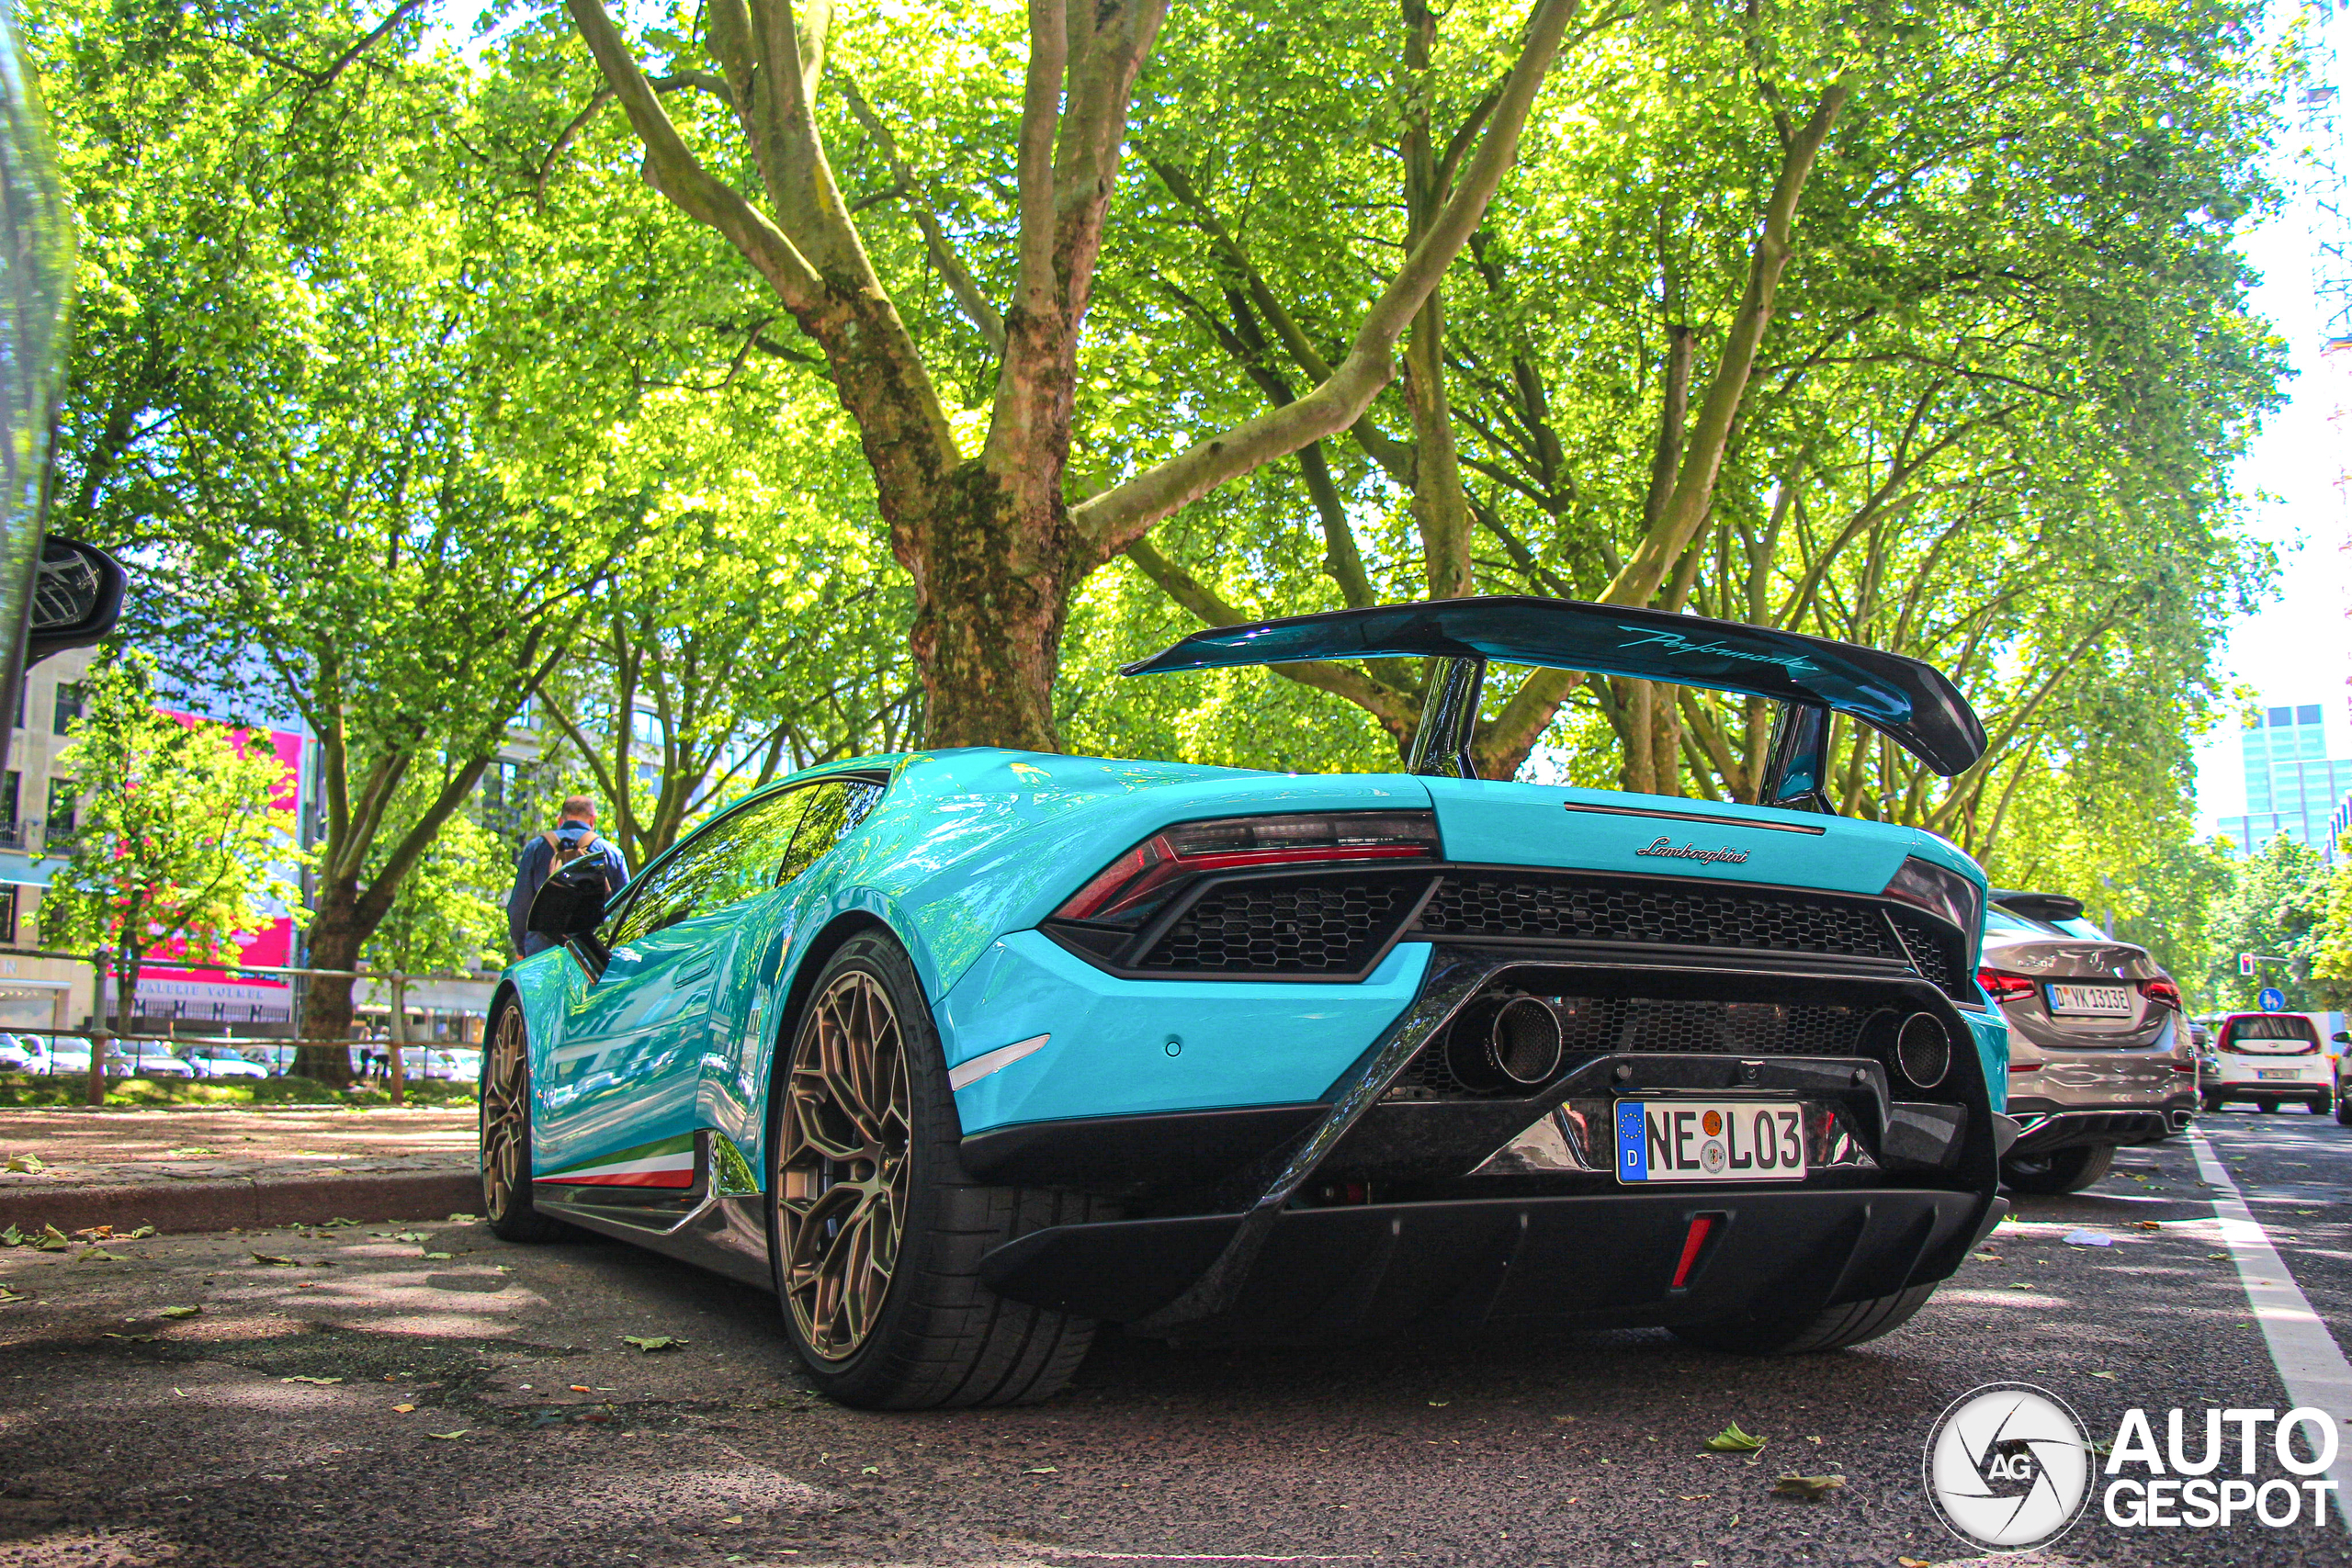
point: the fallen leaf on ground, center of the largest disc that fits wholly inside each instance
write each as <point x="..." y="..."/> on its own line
<point x="141" y="1339"/>
<point x="1985" y="1256"/>
<point x="408" y="1235"/>
<point x="12" y="1237"/>
<point x="320" y="1381"/>
<point x="651" y="1342"/>
<point x="448" y="1437"/>
<point x="439" y="1256"/>
<point x="2147" y="1224"/>
<point x="877" y="1470"/>
<point x="1812" y="1486"/>
<point x="1732" y="1440"/>
<point x="1440" y="1403"/>
<point x="402" y="1409"/>
<point x="581" y="1388"/>
<point x="732" y="1519"/>
<point x="26" y="1165"/>
<point x="274" y="1261"/>
<point x="51" y="1239"/>
<point x="94" y="1232"/>
<point x="338" y="1221"/>
<point x="463" y="1219"/>
<point x="9" y="1295"/>
<point x="1041" y="1470"/>
<point x="96" y="1255"/>
<point x="2107" y="1375"/>
<point x="181" y="1311"/>
<point x="2212" y="1256"/>
<point x="190" y="1152"/>
<point x="141" y="1234"/>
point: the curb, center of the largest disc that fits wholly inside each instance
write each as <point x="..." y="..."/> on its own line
<point x="244" y="1201"/>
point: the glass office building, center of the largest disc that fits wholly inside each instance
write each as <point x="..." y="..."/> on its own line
<point x="2292" y="786"/>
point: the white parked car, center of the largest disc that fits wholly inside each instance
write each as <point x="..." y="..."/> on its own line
<point x="143" y="1059"/>
<point x="221" y="1061"/>
<point x="2270" y="1059"/>
<point x="22" y="1054"/>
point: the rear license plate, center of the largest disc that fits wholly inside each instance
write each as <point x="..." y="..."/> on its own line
<point x="2290" y="1073"/>
<point x="1697" y="1140"/>
<point x="2102" y="1001"/>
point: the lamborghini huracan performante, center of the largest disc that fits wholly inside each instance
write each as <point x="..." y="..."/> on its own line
<point x="962" y="1052"/>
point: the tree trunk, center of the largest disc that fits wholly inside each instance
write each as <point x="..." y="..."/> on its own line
<point x="994" y="571"/>
<point x="336" y="938"/>
<point x="395" y="1066"/>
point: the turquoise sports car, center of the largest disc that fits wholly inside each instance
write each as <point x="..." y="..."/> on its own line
<point x="962" y="1052"/>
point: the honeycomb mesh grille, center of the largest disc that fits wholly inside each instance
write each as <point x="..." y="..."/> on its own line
<point x="1305" y="927"/>
<point x="1934" y="952"/>
<point x="1597" y="1025"/>
<point x="1581" y="909"/>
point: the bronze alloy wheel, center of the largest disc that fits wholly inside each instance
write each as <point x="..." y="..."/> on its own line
<point x="842" y="1167"/>
<point x="506" y="1110"/>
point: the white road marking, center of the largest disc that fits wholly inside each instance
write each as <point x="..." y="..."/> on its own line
<point x="2310" y="1364"/>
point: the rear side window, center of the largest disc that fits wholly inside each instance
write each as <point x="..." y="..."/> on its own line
<point x="2270" y="1034"/>
<point x="834" y="808"/>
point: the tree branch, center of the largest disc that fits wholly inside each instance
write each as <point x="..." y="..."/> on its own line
<point x="1115" y="519"/>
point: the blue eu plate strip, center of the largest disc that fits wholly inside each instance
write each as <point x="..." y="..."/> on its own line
<point x="1633" y="1154"/>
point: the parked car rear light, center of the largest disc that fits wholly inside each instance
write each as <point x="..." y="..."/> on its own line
<point x="2005" y="988"/>
<point x="2184" y="1067"/>
<point x="2161" y="990"/>
<point x="1245" y="843"/>
<point x="2027" y="1067"/>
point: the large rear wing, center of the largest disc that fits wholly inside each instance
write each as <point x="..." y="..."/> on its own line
<point x="1810" y="677"/>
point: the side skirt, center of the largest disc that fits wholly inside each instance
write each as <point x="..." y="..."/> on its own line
<point x="719" y="1221"/>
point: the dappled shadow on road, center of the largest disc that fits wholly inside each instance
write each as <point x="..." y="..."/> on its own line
<point x="372" y="1403"/>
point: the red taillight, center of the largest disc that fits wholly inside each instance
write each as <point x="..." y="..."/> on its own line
<point x="1700" y="1225"/>
<point x="2161" y="990"/>
<point x="2005" y="988"/>
<point x="2027" y="1067"/>
<point x="1243" y="844"/>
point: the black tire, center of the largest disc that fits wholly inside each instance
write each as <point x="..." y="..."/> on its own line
<point x="506" y="1180"/>
<point x="1833" y="1328"/>
<point x="2064" y="1171"/>
<point x="2344" y="1110"/>
<point x="2211" y="1103"/>
<point x="940" y="1338"/>
<point x="2319" y="1106"/>
<point x="2268" y="1107"/>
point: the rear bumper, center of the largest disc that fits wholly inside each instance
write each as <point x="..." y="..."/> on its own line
<point x="2289" y="1093"/>
<point x="2045" y="1126"/>
<point x="1604" y="1259"/>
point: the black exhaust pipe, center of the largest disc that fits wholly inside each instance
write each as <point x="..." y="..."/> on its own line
<point x="1504" y="1043"/>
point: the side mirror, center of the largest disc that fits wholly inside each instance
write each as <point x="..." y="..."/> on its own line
<point x="569" y="905"/>
<point x="77" y="598"/>
<point x="2341" y="1038"/>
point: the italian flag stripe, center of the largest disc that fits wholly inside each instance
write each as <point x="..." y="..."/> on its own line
<point x="670" y="1162"/>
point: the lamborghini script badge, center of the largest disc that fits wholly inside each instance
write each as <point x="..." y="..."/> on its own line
<point x="1668" y="848"/>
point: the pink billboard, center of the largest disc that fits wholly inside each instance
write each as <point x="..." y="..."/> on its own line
<point x="207" y="996"/>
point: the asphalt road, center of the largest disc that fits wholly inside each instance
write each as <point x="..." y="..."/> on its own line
<point x="271" y="1426"/>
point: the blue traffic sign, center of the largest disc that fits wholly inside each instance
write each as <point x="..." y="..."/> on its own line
<point x="2273" y="999"/>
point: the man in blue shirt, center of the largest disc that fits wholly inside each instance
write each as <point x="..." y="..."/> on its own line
<point x="575" y="838"/>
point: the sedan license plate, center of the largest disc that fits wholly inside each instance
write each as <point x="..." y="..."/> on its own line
<point x="1697" y="1140"/>
<point x="2100" y="1002"/>
<point x="2290" y="1073"/>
